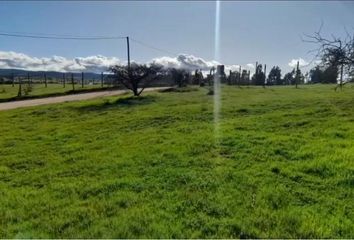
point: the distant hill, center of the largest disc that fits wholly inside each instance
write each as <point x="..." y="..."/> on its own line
<point x="50" y="74"/>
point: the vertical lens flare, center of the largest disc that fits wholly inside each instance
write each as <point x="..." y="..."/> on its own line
<point x="217" y="31"/>
<point x="217" y="76"/>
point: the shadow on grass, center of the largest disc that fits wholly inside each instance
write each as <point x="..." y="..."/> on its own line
<point x="177" y="89"/>
<point x="122" y="102"/>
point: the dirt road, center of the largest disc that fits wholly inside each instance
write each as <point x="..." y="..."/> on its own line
<point x="66" y="98"/>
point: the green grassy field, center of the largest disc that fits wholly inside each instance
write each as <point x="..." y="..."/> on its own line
<point x="8" y="92"/>
<point x="126" y="168"/>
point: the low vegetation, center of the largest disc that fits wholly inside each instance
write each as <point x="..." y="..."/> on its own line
<point x="150" y="167"/>
<point x="10" y="93"/>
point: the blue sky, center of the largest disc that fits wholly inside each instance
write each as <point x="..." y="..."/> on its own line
<point x="268" y="32"/>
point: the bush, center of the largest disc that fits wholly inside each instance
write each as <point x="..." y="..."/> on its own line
<point x="27" y="89"/>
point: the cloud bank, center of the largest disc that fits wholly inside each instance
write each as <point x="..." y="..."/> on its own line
<point x="185" y="61"/>
<point x="250" y="65"/>
<point x="56" y="63"/>
<point x="99" y="63"/>
<point x="302" y="63"/>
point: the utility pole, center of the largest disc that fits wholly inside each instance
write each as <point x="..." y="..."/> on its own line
<point x="72" y="81"/>
<point x="64" y="80"/>
<point x="265" y="75"/>
<point x="128" y="54"/>
<point x="101" y="79"/>
<point x="82" y="79"/>
<point x="255" y="73"/>
<point x="45" y="80"/>
<point x="341" y="77"/>
<point x="239" y="76"/>
<point x="297" y="74"/>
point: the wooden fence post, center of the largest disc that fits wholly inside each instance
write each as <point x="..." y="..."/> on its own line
<point x="19" y="94"/>
<point x="13" y="79"/>
<point x="29" y="81"/>
<point x="82" y="79"/>
<point x="72" y="81"/>
<point x="45" y="80"/>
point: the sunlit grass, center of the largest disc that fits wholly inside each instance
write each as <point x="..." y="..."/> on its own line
<point x="148" y="167"/>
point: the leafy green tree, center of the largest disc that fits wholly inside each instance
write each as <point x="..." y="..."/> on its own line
<point x="245" y="78"/>
<point x="326" y="74"/>
<point x="259" y="77"/>
<point x="274" y="76"/>
<point x="299" y="77"/>
<point x="198" y="77"/>
<point x="289" y="78"/>
<point x="316" y="75"/>
<point x="330" y="74"/>
<point x="179" y="76"/>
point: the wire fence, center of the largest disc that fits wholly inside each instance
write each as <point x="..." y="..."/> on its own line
<point x="29" y="84"/>
<point x="17" y="85"/>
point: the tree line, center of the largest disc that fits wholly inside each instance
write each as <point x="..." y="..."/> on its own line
<point x="139" y="76"/>
<point x="336" y="61"/>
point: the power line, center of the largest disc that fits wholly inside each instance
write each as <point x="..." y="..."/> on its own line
<point x="152" y="47"/>
<point x="76" y="37"/>
<point x="61" y="37"/>
<point x="52" y="34"/>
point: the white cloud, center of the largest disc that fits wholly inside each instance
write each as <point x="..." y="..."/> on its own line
<point x="56" y="63"/>
<point x="185" y="61"/>
<point x="233" y="68"/>
<point x="293" y="62"/>
<point x="250" y="65"/>
<point x="192" y="63"/>
<point x="100" y="63"/>
<point x="316" y="62"/>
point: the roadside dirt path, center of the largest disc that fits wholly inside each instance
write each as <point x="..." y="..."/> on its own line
<point x="66" y="98"/>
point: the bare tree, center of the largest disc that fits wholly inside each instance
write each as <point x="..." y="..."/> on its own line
<point x="138" y="76"/>
<point x="335" y="52"/>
